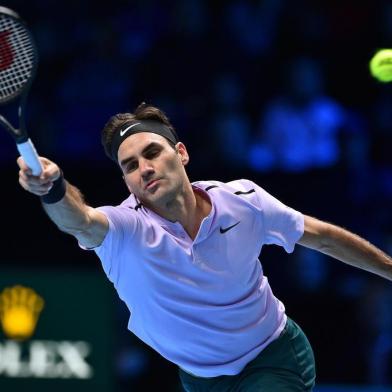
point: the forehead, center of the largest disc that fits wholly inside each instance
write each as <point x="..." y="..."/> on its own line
<point x="136" y="142"/>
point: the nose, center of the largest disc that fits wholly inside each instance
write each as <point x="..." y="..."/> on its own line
<point x="146" y="169"/>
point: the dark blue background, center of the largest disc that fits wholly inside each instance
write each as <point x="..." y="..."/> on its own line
<point x="275" y="91"/>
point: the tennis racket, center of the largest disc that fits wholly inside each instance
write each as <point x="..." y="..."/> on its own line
<point x="18" y="64"/>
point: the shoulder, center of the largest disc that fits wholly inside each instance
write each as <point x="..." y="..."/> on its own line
<point x="233" y="190"/>
<point x="122" y="213"/>
<point x="236" y="186"/>
<point x="128" y="204"/>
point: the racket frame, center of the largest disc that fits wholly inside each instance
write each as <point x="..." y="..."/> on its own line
<point x="24" y="144"/>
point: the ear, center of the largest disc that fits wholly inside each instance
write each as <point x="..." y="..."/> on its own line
<point x="183" y="153"/>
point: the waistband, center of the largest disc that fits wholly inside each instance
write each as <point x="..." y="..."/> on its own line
<point x="284" y="330"/>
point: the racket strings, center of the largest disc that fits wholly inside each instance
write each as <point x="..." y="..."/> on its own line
<point x="17" y="57"/>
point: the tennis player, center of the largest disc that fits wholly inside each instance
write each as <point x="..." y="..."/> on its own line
<point x="184" y="258"/>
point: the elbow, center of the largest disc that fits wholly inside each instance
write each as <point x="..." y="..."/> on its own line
<point x="317" y="235"/>
<point x="326" y="238"/>
<point x="76" y="228"/>
<point x="324" y="246"/>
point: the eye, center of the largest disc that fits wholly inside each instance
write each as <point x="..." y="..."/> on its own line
<point x="131" y="166"/>
<point x="152" y="153"/>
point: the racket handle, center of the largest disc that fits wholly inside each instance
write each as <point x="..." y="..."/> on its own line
<point x="30" y="156"/>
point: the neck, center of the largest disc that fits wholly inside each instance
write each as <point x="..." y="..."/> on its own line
<point x="189" y="208"/>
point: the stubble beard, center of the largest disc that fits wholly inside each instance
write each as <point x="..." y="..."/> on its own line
<point x="167" y="199"/>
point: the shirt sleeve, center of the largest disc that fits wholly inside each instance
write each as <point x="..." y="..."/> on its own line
<point x="122" y="228"/>
<point x="281" y="224"/>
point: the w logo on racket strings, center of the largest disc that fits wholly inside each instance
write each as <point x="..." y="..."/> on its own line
<point x="20" y="308"/>
<point x="6" y="52"/>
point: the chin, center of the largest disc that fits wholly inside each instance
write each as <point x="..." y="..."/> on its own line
<point x="156" y="197"/>
<point x="159" y="197"/>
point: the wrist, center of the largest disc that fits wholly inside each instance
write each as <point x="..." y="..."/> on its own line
<point x="57" y="191"/>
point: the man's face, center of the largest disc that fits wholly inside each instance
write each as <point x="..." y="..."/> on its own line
<point x="152" y="169"/>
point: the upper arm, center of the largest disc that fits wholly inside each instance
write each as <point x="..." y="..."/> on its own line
<point x="95" y="230"/>
<point x="315" y="233"/>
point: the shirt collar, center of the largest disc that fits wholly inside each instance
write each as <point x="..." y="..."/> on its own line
<point x="205" y="225"/>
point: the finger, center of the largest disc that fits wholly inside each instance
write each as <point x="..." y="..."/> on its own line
<point x="51" y="172"/>
<point x="45" y="161"/>
<point x="41" y="192"/>
<point x="20" y="162"/>
<point x="22" y="165"/>
<point x="28" y="177"/>
<point x="33" y="180"/>
<point x="37" y="189"/>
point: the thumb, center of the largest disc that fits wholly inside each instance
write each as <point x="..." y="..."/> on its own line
<point x="50" y="172"/>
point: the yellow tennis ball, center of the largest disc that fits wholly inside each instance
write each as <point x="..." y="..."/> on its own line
<point x="381" y="65"/>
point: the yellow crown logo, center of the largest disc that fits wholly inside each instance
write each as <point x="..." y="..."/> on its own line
<point x="20" y="308"/>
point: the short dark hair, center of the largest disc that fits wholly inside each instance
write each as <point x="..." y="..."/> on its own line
<point x="142" y="112"/>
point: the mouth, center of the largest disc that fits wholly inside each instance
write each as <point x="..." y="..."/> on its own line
<point x="151" y="184"/>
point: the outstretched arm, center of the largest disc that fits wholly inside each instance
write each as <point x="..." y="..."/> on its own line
<point x="345" y="246"/>
<point x="70" y="213"/>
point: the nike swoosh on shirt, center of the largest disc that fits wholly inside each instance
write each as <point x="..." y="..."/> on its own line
<point x="222" y="231"/>
<point x="124" y="131"/>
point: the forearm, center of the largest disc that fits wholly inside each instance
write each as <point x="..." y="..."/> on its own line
<point x="70" y="213"/>
<point x="64" y="203"/>
<point x="356" y="251"/>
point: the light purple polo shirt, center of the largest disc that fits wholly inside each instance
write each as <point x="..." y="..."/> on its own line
<point x="204" y="305"/>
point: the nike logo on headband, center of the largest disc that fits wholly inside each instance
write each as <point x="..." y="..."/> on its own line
<point x="124" y="131"/>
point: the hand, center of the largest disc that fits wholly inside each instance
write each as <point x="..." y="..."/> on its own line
<point x="38" y="185"/>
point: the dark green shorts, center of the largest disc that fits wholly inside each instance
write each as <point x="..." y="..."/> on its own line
<point x="286" y="365"/>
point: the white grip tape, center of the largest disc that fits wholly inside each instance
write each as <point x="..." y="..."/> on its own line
<point x="30" y="156"/>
